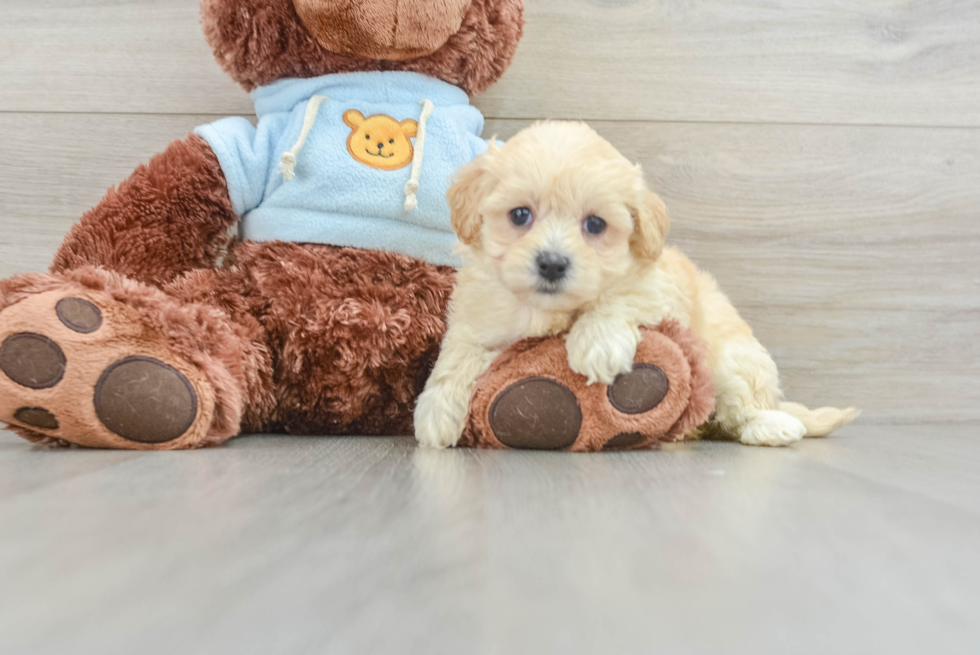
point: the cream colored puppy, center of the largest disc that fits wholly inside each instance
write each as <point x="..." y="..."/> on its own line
<point x="561" y="233"/>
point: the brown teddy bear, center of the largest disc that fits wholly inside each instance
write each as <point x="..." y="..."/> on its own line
<point x="153" y="329"/>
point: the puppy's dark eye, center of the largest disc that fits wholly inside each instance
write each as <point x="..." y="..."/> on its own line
<point x="594" y="225"/>
<point x="521" y="216"/>
<point x="391" y="140"/>
<point x="367" y="136"/>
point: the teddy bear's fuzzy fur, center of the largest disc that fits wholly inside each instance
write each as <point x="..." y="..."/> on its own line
<point x="286" y="337"/>
<point x="169" y="217"/>
<point x="261" y="41"/>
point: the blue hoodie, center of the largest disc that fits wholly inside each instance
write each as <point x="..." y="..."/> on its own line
<point x="346" y="179"/>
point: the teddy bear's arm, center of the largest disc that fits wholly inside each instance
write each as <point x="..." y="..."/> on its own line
<point x="170" y="216"/>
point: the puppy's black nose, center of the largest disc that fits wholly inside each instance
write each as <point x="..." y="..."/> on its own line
<point x="381" y="146"/>
<point x="551" y="266"/>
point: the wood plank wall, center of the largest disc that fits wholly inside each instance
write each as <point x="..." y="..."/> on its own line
<point x="821" y="157"/>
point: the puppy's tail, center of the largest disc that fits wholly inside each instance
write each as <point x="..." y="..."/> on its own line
<point x="822" y="421"/>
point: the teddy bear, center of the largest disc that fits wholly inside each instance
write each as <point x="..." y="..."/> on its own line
<point x="292" y="275"/>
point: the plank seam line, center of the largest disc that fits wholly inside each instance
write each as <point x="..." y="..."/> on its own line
<point x="912" y="126"/>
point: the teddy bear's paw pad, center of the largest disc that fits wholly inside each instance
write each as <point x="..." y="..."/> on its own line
<point x="536" y="413"/>
<point x="32" y="360"/>
<point x="625" y="440"/>
<point x="640" y="390"/>
<point x="142" y="399"/>
<point x="79" y="315"/>
<point x="36" y="417"/>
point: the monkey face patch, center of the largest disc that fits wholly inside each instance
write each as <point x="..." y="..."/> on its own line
<point x="380" y="141"/>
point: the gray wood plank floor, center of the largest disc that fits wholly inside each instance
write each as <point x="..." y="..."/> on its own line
<point x="862" y="543"/>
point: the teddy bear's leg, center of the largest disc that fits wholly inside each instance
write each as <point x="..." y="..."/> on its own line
<point x="354" y="334"/>
<point x="284" y="337"/>
<point x="93" y="358"/>
<point x="530" y="398"/>
<point x="170" y="216"/>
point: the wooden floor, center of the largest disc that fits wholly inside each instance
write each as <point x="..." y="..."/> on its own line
<point x="863" y="543"/>
<point x="821" y="157"/>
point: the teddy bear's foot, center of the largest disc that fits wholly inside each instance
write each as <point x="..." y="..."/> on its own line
<point x="78" y="365"/>
<point x="530" y="398"/>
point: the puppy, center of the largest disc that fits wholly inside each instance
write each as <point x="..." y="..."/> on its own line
<point x="559" y="233"/>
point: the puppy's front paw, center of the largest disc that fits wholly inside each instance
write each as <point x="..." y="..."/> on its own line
<point x="772" y="428"/>
<point x="438" y="422"/>
<point x="600" y="351"/>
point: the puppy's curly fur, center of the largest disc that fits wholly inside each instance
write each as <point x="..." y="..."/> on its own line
<point x="561" y="233"/>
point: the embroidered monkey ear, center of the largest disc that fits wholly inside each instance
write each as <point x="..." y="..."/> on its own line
<point x="410" y="128"/>
<point x="353" y="118"/>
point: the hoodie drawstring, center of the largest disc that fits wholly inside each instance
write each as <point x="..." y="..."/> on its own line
<point x="288" y="164"/>
<point x="412" y="186"/>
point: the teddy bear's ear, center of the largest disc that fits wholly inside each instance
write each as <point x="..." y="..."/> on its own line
<point x="470" y="186"/>
<point x="353" y="118"/>
<point x="410" y="127"/>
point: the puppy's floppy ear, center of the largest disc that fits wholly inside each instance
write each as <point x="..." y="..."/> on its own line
<point x="651" y="223"/>
<point x="471" y="184"/>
